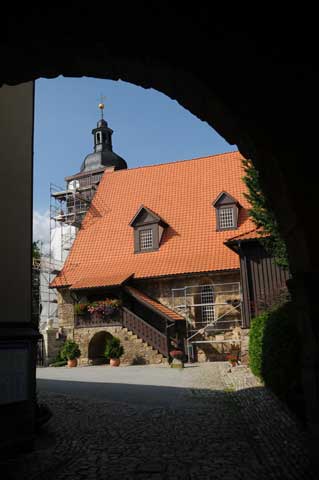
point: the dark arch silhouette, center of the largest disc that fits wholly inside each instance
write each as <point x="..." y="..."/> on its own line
<point x="255" y="84"/>
<point x="97" y="348"/>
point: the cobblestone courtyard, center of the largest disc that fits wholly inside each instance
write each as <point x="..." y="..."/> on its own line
<point x="213" y="427"/>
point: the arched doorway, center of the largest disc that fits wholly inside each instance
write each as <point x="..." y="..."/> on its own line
<point x="97" y="347"/>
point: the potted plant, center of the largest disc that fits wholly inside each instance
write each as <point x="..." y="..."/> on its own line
<point x="70" y="352"/>
<point x="177" y="356"/>
<point x="232" y="360"/>
<point x="232" y="357"/>
<point x="113" y="351"/>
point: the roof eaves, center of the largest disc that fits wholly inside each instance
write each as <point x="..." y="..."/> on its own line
<point x="255" y="235"/>
<point x="121" y="283"/>
<point x="187" y="274"/>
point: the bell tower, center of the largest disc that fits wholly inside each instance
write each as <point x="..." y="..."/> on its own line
<point x="69" y="205"/>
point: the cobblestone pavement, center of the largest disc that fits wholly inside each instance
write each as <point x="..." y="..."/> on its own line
<point x="218" y="429"/>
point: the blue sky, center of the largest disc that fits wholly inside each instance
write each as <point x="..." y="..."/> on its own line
<point x="149" y="128"/>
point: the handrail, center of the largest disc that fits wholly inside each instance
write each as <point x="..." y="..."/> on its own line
<point x="145" y="331"/>
<point x="88" y="320"/>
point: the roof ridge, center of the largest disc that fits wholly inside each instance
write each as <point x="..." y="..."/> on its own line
<point x="173" y="162"/>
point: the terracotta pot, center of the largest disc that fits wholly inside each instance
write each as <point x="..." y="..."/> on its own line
<point x="115" y="362"/>
<point x="72" y="363"/>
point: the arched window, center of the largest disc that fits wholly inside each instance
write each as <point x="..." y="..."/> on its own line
<point x="207" y="301"/>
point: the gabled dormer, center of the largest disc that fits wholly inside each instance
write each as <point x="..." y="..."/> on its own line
<point x="148" y="230"/>
<point x="227" y="209"/>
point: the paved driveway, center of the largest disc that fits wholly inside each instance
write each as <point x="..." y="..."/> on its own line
<point x="147" y="385"/>
<point x="156" y="423"/>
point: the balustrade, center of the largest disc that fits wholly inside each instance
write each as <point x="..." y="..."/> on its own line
<point x="145" y="331"/>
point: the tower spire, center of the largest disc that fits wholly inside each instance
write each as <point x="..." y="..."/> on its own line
<point x="103" y="155"/>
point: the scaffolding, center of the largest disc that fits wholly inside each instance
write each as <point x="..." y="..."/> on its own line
<point x="211" y="311"/>
<point x="67" y="210"/>
<point x="45" y="308"/>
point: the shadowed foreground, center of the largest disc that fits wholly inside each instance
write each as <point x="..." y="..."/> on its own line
<point x="208" y="433"/>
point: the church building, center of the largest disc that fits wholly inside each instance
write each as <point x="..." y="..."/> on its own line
<point x="153" y="243"/>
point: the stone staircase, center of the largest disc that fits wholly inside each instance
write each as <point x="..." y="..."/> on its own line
<point x="137" y="351"/>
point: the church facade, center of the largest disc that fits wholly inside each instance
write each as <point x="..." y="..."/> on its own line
<point x="153" y="242"/>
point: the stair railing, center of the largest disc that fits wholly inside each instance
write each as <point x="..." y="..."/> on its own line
<point x="146" y="332"/>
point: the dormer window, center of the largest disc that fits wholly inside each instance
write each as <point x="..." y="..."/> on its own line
<point x="146" y="239"/>
<point x="148" y="230"/>
<point x="226" y="218"/>
<point x="226" y="212"/>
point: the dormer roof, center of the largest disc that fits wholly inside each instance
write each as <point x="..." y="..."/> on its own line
<point x="225" y="198"/>
<point x="146" y="216"/>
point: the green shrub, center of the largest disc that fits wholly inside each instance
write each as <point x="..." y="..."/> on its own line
<point x="70" y="350"/>
<point x="281" y="365"/>
<point x="275" y="354"/>
<point x="113" y="348"/>
<point x="60" y="363"/>
<point x="256" y="336"/>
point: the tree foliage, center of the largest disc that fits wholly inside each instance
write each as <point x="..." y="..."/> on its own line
<point x="36" y="253"/>
<point x="263" y="216"/>
<point x="36" y="296"/>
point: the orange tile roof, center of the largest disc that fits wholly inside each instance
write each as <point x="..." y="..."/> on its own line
<point x="182" y="193"/>
<point x="162" y="309"/>
<point x="100" y="281"/>
<point x="250" y="235"/>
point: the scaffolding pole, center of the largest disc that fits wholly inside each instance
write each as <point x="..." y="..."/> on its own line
<point x="45" y="269"/>
<point x="210" y="311"/>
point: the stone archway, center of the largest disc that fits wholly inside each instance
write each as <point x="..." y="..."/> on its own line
<point x="96" y="348"/>
<point x="257" y="89"/>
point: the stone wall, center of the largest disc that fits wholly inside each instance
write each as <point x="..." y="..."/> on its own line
<point x="161" y="289"/>
<point x="135" y="350"/>
<point x="229" y="342"/>
<point x="65" y="308"/>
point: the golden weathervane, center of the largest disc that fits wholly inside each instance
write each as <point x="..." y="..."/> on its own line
<point x="101" y="104"/>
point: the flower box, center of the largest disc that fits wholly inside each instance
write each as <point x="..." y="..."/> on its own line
<point x="102" y="308"/>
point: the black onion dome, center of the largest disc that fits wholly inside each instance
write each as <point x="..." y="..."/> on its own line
<point x="105" y="158"/>
<point x="103" y="155"/>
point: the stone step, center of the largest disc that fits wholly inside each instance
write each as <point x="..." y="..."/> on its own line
<point x="143" y="349"/>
